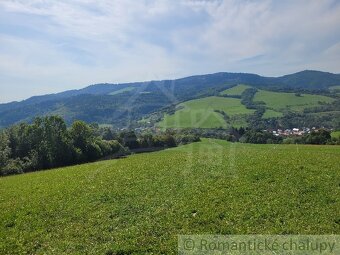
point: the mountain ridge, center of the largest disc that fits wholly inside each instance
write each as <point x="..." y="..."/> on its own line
<point x="118" y="103"/>
<point x="110" y="86"/>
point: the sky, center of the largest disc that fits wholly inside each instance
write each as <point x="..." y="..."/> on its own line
<point x="49" y="46"/>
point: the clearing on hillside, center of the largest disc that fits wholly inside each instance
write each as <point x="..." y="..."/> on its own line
<point x="271" y="114"/>
<point x="127" y="89"/>
<point x="200" y="113"/>
<point x="138" y="205"/>
<point x="235" y="91"/>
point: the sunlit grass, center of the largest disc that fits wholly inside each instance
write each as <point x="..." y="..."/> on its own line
<point x="199" y="113"/>
<point x="280" y="100"/>
<point x="138" y="205"/>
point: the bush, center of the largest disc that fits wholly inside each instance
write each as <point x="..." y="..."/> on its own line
<point x="116" y="147"/>
<point x="185" y="139"/>
<point x="93" y="151"/>
<point x="146" y="141"/>
<point x="259" y="137"/>
<point x="169" y="140"/>
<point x="321" y="136"/>
<point x="129" y="139"/>
<point x="289" y="141"/>
<point x="110" y="147"/>
<point x="105" y="147"/>
<point x="14" y="166"/>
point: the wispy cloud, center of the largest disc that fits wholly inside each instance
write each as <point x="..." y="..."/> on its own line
<point x="49" y="46"/>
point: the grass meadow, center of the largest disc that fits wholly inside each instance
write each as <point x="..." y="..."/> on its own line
<point x="278" y="101"/>
<point x="139" y="204"/>
<point x="199" y="113"/>
<point x="271" y="114"/>
<point x="235" y="91"/>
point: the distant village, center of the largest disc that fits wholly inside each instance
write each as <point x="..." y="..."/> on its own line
<point x="277" y="132"/>
<point x="295" y="131"/>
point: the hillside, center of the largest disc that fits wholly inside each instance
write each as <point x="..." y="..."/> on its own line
<point x="121" y="104"/>
<point x="202" y="113"/>
<point x="236" y="90"/>
<point x="280" y="101"/>
<point x="228" y="109"/>
<point x="138" y="205"/>
<point x="310" y="79"/>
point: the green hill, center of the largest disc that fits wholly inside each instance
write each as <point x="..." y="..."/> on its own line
<point x="309" y="79"/>
<point x="200" y="113"/>
<point x="138" y="205"/>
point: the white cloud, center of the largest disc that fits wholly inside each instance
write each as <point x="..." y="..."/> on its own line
<point x="56" y="45"/>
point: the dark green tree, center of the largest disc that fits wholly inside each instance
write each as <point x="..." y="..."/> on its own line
<point x="129" y="139"/>
<point x="321" y="136"/>
<point x="5" y="150"/>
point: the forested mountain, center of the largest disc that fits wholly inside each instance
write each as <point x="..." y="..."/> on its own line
<point x="310" y="80"/>
<point x="119" y="104"/>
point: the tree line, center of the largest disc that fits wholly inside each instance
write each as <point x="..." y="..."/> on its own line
<point x="260" y="136"/>
<point x="49" y="143"/>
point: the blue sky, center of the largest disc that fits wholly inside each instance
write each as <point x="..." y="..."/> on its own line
<point x="50" y="46"/>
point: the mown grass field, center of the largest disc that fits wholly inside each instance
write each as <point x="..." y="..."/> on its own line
<point x="199" y="113"/>
<point x="279" y="101"/>
<point x="235" y="91"/>
<point x="138" y="205"/>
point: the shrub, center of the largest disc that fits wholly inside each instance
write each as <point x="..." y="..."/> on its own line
<point x="13" y="166"/>
<point x="187" y="138"/>
<point x="129" y="139"/>
<point x="321" y="136"/>
<point x="259" y="137"/>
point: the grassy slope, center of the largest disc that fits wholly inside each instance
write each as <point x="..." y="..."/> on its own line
<point x="140" y="204"/>
<point x="279" y="100"/>
<point x="200" y="113"/>
<point x="127" y="89"/>
<point x="237" y="90"/>
<point x="271" y="114"/>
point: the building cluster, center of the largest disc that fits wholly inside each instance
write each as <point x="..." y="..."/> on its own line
<point x="293" y="131"/>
